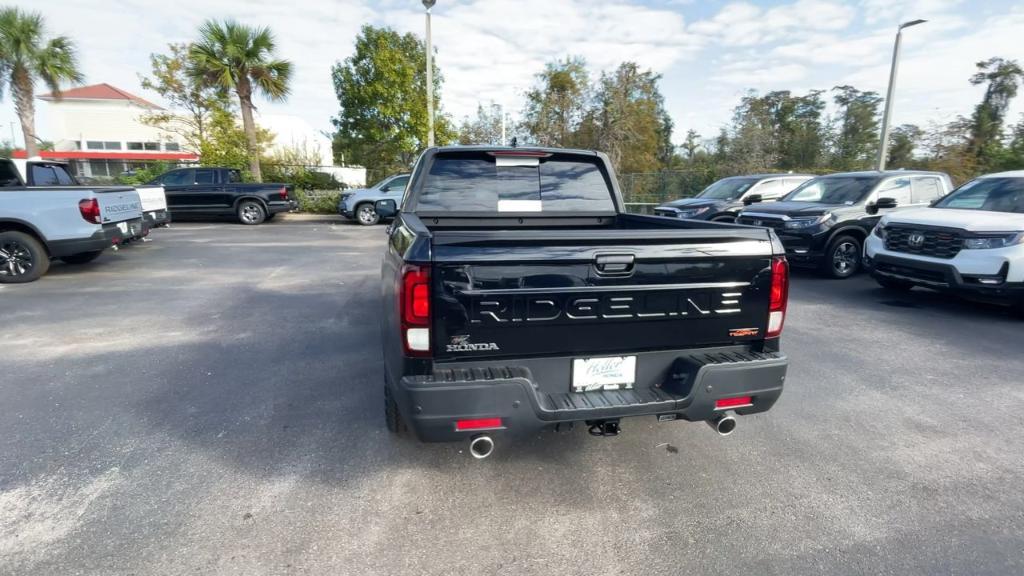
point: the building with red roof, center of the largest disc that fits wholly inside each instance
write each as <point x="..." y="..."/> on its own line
<point x="99" y="130"/>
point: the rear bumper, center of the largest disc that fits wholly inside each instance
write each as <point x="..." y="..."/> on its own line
<point x="696" y="379"/>
<point x="947" y="278"/>
<point x="157" y="218"/>
<point x="282" y="206"/>
<point x="104" y="238"/>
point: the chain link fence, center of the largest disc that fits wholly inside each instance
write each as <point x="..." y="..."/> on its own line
<point x="642" y="191"/>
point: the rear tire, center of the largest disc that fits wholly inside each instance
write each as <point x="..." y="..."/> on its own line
<point x="22" y="258"/>
<point x="251" y="213"/>
<point x="81" y="258"/>
<point x="392" y="417"/>
<point x="894" y="285"/>
<point x="843" y="258"/>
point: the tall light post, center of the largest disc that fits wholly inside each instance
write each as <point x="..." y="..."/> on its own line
<point x="428" y="4"/>
<point x="883" y="146"/>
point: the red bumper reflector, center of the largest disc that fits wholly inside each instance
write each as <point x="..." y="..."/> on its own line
<point x="733" y="402"/>
<point x="478" y="424"/>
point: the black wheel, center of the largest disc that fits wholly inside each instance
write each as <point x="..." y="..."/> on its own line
<point x="843" y="258"/>
<point x="893" y="284"/>
<point x="82" y="257"/>
<point x="366" y="214"/>
<point x="22" y="258"/>
<point x="392" y="417"/>
<point x="251" y="213"/>
<point x="724" y="218"/>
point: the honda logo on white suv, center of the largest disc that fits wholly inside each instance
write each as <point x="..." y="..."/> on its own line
<point x="915" y="240"/>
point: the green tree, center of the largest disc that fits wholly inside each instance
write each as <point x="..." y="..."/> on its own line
<point x="381" y="89"/>
<point x="691" y="144"/>
<point x="240" y="58"/>
<point x="1003" y="78"/>
<point x="558" y="103"/>
<point x="485" y="128"/>
<point x="903" y="140"/>
<point x="630" y="121"/>
<point x="856" y="142"/>
<point x="192" y="99"/>
<point x="226" y="144"/>
<point x="28" y="56"/>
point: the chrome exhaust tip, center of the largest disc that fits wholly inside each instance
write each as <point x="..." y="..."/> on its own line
<point x="481" y="446"/>
<point x="723" y="424"/>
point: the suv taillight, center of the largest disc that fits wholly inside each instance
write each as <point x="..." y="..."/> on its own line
<point x="90" y="210"/>
<point x="779" y="296"/>
<point x="283" y="192"/>
<point x="414" y="304"/>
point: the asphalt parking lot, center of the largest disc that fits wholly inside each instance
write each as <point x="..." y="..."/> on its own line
<point x="210" y="403"/>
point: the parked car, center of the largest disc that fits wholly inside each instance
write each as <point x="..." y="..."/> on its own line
<point x="210" y="191"/>
<point x="44" y="215"/>
<point x="971" y="242"/>
<point x="824" y="222"/>
<point x="722" y="201"/>
<point x="358" y="204"/>
<point x="518" y="295"/>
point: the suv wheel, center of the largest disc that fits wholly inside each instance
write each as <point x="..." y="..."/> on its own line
<point x="366" y="214"/>
<point x="251" y="213"/>
<point x="22" y="258"/>
<point x="842" y="259"/>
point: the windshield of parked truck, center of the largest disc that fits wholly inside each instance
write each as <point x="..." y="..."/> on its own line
<point x="991" y="194"/>
<point x="727" y="189"/>
<point x="845" y="190"/>
<point x="497" y="182"/>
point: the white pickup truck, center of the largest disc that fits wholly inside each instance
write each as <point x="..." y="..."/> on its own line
<point x="45" y="214"/>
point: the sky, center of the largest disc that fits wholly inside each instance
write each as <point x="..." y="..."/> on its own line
<point x="709" y="53"/>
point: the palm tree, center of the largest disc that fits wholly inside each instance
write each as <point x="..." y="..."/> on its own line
<point x="240" y="58"/>
<point x="26" y="57"/>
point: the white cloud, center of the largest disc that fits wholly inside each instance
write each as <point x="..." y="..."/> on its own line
<point x="491" y="49"/>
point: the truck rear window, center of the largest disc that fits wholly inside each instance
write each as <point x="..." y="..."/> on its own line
<point x="480" y="182"/>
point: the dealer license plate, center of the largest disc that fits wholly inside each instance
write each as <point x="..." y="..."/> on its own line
<point x="611" y="373"/>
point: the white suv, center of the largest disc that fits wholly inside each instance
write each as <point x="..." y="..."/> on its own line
<point x="969" y="242"/>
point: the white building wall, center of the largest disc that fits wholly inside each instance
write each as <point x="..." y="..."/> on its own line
<point x="104" y="120"/>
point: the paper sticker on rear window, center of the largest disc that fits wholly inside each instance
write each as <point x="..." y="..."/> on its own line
<point x="519" y="206"/>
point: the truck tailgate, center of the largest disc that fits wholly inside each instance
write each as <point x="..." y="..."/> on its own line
<point x="565" y="292"/>
<point x="152" y="197"/>
<point x="118" y="204"/>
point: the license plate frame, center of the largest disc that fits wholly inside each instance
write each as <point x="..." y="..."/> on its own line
<point x="603" y="373"/>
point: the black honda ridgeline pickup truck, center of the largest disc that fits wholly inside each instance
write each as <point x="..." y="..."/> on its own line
<point x="518" y="295"/>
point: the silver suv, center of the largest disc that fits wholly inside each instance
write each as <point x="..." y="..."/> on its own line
<point x="358" y="204"/>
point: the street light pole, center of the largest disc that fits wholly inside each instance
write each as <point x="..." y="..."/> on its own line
<point x="428" y="4"/>
<point x="883" y="146"/>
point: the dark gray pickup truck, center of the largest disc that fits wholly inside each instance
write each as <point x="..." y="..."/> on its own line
<point x="518" y="295"/>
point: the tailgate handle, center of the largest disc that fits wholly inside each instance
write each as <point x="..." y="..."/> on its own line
<point x="614" y="263"/>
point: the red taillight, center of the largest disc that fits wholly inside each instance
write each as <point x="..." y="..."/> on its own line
<point x="283" y="192"/>
<point x="478" y="424"/>
<point x="779" y="296"/>
<point x="723" y="403"/>
<point x="90" y="210"/>
<point x="415" y="310"/>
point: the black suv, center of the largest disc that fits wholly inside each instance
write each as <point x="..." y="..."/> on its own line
<point x="824" y="222"/>
<point x="721" y="201"/>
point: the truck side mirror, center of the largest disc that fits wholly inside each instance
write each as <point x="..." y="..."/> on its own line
<point x="753" y="198"/>
<point x="386" y="208"/>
